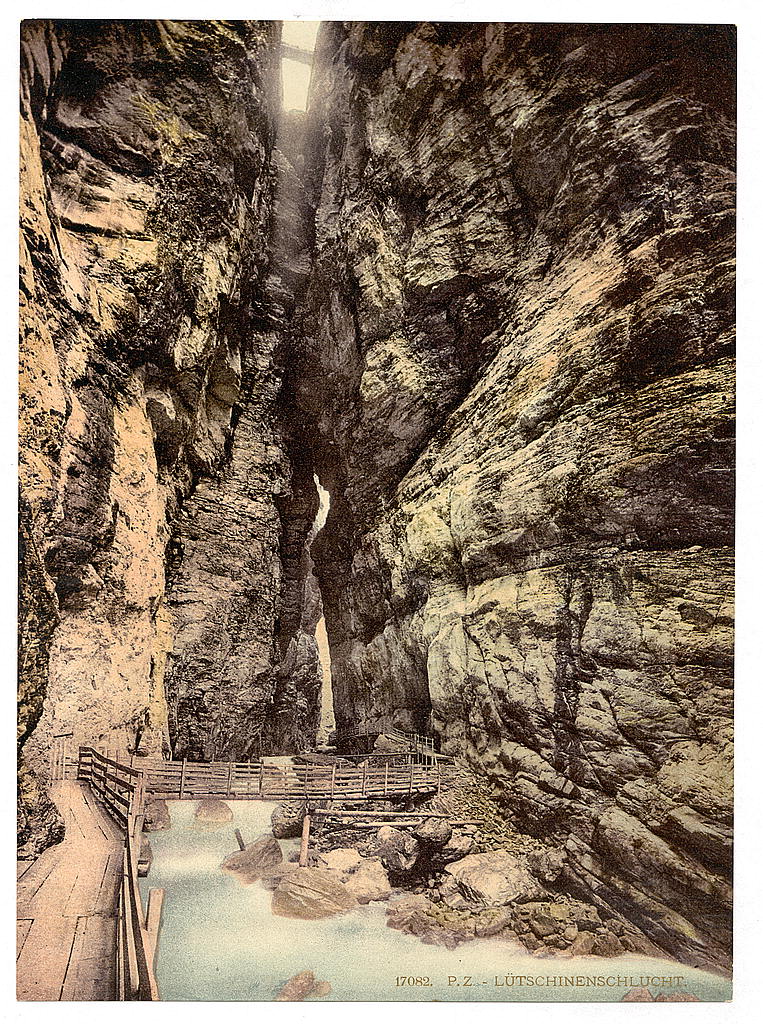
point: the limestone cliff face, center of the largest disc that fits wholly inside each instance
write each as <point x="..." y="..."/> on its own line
<point x="520" y="318"/>
<point x="151" y="460"/>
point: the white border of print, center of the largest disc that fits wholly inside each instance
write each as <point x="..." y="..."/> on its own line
<point x="749" y="897"/>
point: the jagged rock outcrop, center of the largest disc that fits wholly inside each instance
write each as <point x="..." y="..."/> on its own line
<point x="155" y="476"/>
<point x="521" y="318"/>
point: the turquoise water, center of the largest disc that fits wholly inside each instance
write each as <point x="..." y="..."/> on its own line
<point x="219" y="941"/>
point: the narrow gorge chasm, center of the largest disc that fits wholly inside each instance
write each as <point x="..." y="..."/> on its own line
<point x="481" y="291"/>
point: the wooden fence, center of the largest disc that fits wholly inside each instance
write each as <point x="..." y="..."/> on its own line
<point x="188" y="780"/>
<point x="121" y="789"/>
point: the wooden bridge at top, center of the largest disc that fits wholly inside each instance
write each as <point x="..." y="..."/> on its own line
<point x="374" y="776"/>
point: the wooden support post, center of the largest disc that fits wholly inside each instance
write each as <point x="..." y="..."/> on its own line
<point x="439" y="779"/>
<point x="262" y="769"/>
<point x="230" y="777"/>
<point x="182" y="778"/>
<point x="239" y="839"/>
<point x="305" y="838"/>
<point x="153" y="918"/>
<point x="410" y="779"/>
<point x="307" y="772"/>
<point x="386" y="776"/>
<point x="365" y="770"/>
<point x="333" y="780"/>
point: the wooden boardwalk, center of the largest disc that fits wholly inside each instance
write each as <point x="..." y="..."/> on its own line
<point x="67" y="905"/>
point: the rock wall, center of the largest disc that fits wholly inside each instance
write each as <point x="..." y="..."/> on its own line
<point x="157" y="486"/>
<point x="516" y="356"/>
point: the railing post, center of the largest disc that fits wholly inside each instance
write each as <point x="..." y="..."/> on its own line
<point x="365" y="771"/>
<point x="333" y="780"/>
<point x="230" y="776"/>
<point x="305" y="838"/>
<point x="262" y="769"/>
<point x="182" y="778"/>
<point x="386" y="776"/>
<point x="410" y="779"/>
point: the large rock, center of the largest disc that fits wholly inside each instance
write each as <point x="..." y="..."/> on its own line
<point x="364" y="877"/>
<point x="398" y="850"/>
<point x="259" y="858"/>
<point x="156" y="816"/>
<point x="311" y="893"/>
<point x="303" y="986"/>
<point x="343" y="860"/>
<point x="286" y="820"/>
<point x="416" y="915"/>
<point x="546" y="864"/>
<point x="433" y="831"/>
<point x="369" y="881"/>
<point x="457" y="847"/>
<point x="490" y="880"/>
<point x="212" y="812"/>
<point x="275" y="875"/>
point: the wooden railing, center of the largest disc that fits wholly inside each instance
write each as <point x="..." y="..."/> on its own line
<point x="121" y="789"/>
<point x="414" y="740"/>
<point x="424" y="746"/>
<point x="186" y="780"/>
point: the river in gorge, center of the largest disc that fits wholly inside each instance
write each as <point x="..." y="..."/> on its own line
<point x="219" y="941"/>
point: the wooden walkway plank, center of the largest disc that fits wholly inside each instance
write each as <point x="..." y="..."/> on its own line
<point x="90" y="973"/>
<point x="32" y="880"/>
<point x="66" y="909"/>
<point x="44" y="960"/>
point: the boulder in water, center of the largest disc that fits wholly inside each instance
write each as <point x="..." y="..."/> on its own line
<point x="286" y="820"/>
<point x="302" y="986"/>
<point x="212" y="812"/>
<point x="416" y="915"/>
<point x="156" y="816"/>
<point x="256" y="860"/>
<point x="369" y="881"/>
<point x="276" y="875"/>
<point x="310" y="894"/>
<point x="364" y="877"/>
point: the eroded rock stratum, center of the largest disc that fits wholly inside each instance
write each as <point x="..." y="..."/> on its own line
<point x="521" y="313"/>
<point x="484" y="289"/>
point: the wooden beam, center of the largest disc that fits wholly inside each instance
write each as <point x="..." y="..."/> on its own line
<point x="305" y="839"/>
<point x="153" y="920"/>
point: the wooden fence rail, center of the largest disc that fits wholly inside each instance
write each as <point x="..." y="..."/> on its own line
<point x="186" y="780"/>
<point x="121" y="789"/>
